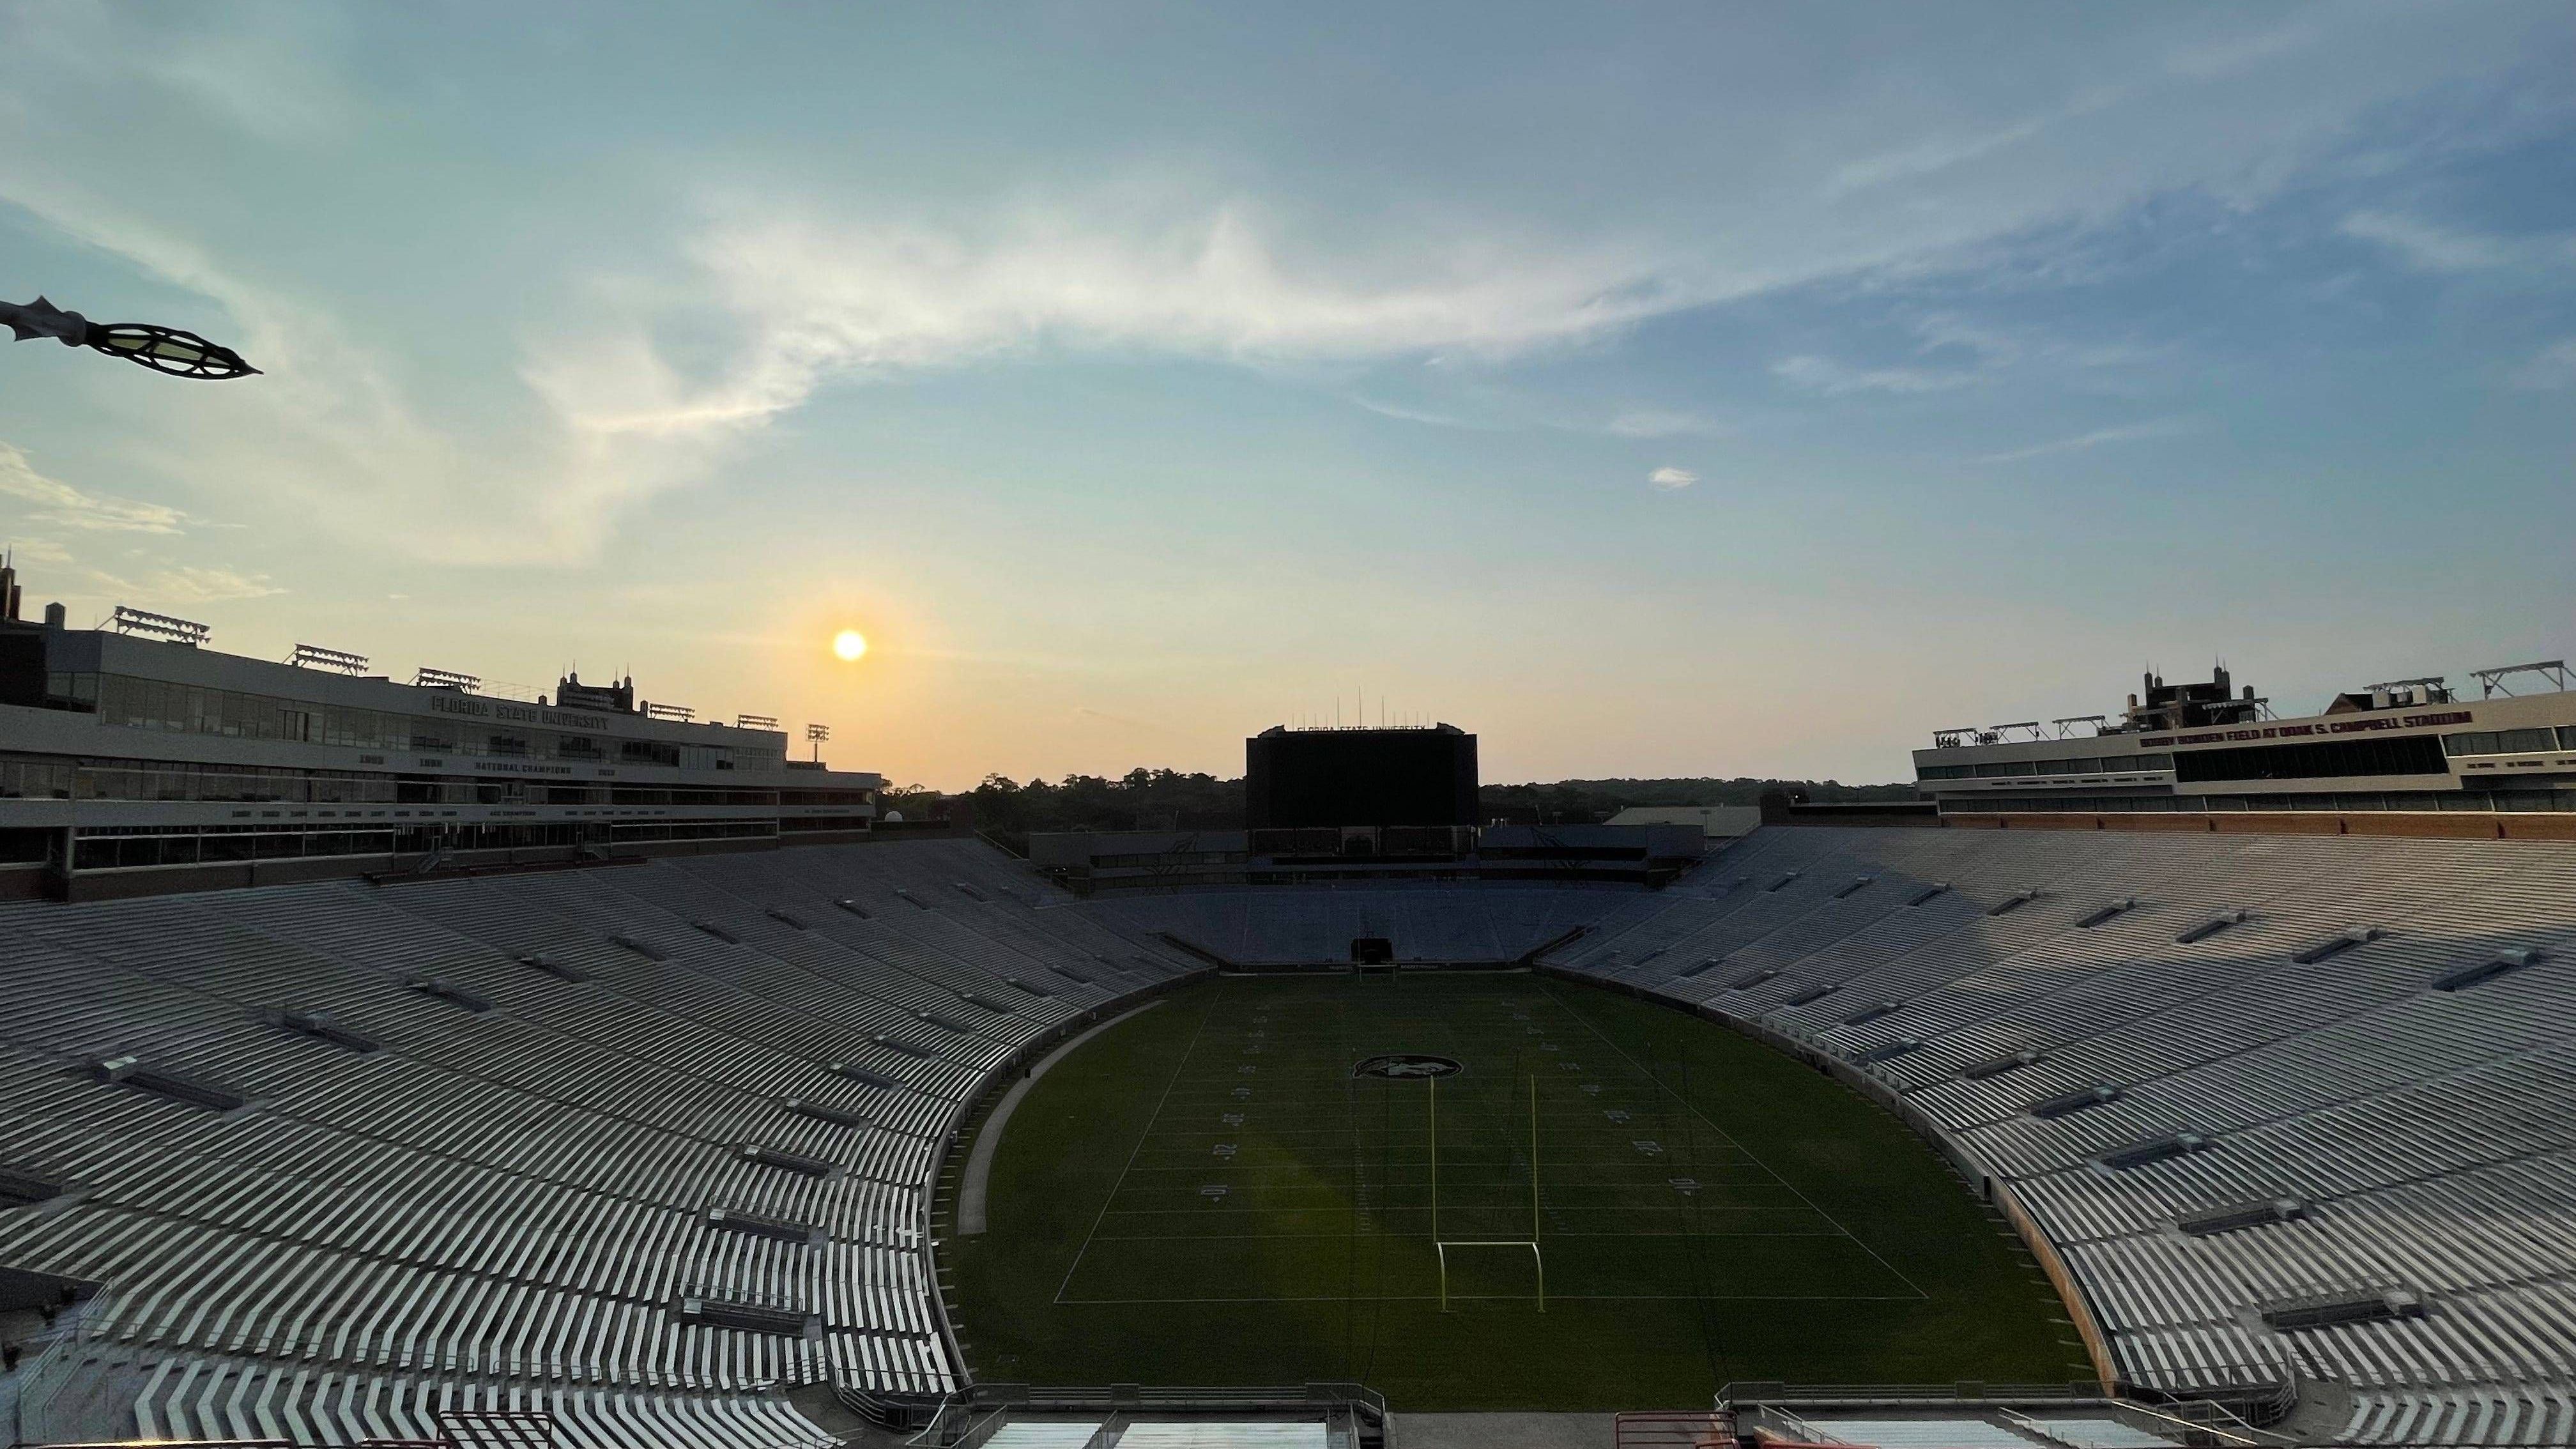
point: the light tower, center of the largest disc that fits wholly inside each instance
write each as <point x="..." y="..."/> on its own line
<point x="163" y="349"/>
<point x="815" y="735"/>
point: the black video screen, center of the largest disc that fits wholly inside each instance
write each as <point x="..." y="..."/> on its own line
<point x="1361" y="777"/>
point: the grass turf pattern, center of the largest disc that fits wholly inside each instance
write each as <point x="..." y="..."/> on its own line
<point x="1206" y="1194"/>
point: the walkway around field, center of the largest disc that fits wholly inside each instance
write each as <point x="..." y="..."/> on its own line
<point x="979" y="1162"/>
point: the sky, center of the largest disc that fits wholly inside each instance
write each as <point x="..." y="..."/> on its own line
<point x="1692" y="389"/>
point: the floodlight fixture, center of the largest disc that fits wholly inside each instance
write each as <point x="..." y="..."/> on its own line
<point x="676" y="713"/>
<point x="815" y="735"/>
<point x="428" y="678"/>
<point x="2491" y="681"/>
<point x="160" y="626"/>
<point x="167" y="350"/>
<point x="314" y="656"/>
<point x="755" y="721"/>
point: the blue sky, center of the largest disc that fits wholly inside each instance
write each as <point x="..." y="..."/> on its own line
<point x="1654" y="390"/>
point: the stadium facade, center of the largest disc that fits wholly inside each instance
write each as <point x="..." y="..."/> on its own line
<point x="136" y="757"/>
<point x="2408" y="747"/>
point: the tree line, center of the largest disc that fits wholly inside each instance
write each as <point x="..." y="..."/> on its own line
<point x="1144" y="799"/>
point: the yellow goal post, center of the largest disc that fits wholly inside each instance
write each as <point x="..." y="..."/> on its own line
<point x="1441" y="1245"/>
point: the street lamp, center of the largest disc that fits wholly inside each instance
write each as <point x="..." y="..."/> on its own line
<point x="817" y="734"/>
<point x="163" y="349"/>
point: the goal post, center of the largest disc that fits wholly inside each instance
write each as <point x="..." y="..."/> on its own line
<point x="1441" y="1246"/>
<point x="1536" y="1257"/>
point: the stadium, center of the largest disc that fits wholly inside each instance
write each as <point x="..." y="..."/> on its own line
<point x="1095" y="724"/>
<point x="652" y="1113"/>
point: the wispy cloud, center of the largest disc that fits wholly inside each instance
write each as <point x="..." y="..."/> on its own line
<point x="2431" y="246"/>
<point x="2550" y="368"/>
<point x="2217" y="58"/>
<point x="870" y="297"/>
<point x="1423" y="416"/>
<point x="1833" y="379"/>
<point x="1952" y="351"/>
<point x="1670" y="479"/>
<point x="1924" y="158"/>
<point x="1989" y="346"/>
<point x="272" y="78"/>
<point x="61" y="505"/>
<point x="36" y="551"/>
<point x="813" y="301"/>
<point x="209" y="585"/>
<point x="185" y="585"/>
<point x="1661" y="423"/>
<point x="2425" y="245"/>
<point x="2191" y="64"/>
<point x="266" y="71"/>
<point x="2085" y="442"/>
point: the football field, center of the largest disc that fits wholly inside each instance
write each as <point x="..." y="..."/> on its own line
<point x="1477" y="1190"/>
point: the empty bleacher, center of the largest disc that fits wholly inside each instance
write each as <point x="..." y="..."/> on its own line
<point x="648" y="1146"/>
<point x="1462" y="923"/>
<point x="644" y="1146"/>
<point x="2128" y="1031"/>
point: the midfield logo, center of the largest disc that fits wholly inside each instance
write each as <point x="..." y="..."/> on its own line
<point x="1407" y="1066"/>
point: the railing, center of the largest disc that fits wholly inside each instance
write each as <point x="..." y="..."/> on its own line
<point x="1760" y="1391"/>
<point x="2263" y="1394"/>
<point x="1674" y="1429"/>
<point x="964" y="1419"/>
<point x="2233" y="1423"/>
<point x="958" y="1423"/>
<point x="2241" y="1436"/>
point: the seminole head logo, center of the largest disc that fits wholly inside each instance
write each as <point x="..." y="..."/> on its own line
<point x="1407" y="1066"/>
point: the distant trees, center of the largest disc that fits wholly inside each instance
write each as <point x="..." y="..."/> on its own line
<point x="916" y="802"/>
<point x="1144" y="799"/>
<point x="1141" y="799"/>
<point x="1582" y="802"/>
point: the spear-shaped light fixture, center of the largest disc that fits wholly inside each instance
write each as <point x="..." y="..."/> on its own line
<point x="163" y="349"/>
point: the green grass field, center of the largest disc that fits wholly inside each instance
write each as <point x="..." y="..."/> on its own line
<point x="1205" y="1194"/>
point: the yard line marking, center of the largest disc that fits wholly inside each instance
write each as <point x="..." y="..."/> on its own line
<point x="1729" y="1139"/>
<point x="1140" y="1146"/>
<point x="1306" y="1080"/>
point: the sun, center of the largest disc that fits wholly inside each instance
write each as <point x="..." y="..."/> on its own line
<point x="849" y="644"/>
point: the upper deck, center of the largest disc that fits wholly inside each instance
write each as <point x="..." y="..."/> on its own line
<point x="122" y="753"/>
<point x="2413" y="746"/>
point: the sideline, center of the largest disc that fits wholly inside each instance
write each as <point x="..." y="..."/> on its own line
<point x="979" y="1163"/>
